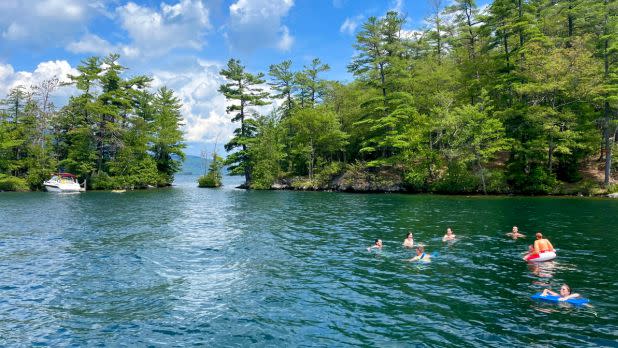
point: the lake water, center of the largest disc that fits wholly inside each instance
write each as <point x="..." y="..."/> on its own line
<point x="227" y="267"/>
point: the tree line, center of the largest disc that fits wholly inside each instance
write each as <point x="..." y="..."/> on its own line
<point x="520" y="96"/>
<point x="115" y="133"/>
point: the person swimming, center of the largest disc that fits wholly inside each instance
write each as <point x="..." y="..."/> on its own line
<point x="515" y="233"/>
<point x="449" y="235"/>
<point x="421" y="255"/>
<point x="409" y="241"/>
<point x="565" y="293"/>
<point x="542" y="245"/>
<point x="376" y="245"/>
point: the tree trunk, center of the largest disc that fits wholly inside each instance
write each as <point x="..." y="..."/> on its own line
<point x="311" y="160"/>
<point x="550" y="153"/>
<point x="606" y="111"/>
<point x="382" y="79"/>
<point x="506" y="50"/>
<point x="608" y="147"/>
<point x="482" y="172"/>
<point x="570" y="23"/>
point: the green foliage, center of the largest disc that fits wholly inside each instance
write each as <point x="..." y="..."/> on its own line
<point x="12" y="183"/>
<point x="266" y="152"/>
<point x="243" y="90"/>
<point x="208" y="180"/>
<point x="213" y="178"/>
<point x="114" y="131"/>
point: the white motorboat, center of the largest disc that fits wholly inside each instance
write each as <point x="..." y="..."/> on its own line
<point x="64" y="182"/>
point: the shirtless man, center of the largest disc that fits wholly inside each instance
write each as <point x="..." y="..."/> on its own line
<point x="376" y="245"/>
<point x="449" y="235"/>
<point x="542" y="245"/>
<point x="515" y="233"/>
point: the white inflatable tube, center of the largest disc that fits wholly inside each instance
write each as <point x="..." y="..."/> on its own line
<point x="544" y="256"/>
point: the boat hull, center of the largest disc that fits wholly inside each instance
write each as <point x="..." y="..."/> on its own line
<point x="63" y="188"/>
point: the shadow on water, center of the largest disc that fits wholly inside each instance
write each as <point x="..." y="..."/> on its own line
<point x="230" y="267"/>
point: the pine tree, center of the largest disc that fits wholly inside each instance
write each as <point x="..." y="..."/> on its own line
<point x="244" y="90"/>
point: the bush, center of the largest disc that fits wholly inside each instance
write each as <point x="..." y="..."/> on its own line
<point x="102" y="181"/>
<point x="209" y="180"/>
<point x="415" y="179"/>
<point x="457" y="180"/>
<point x="12" y="183"/>
<point x="496" y="182"/>
<point x="327" y="172"/>
<point x="36" y="177"/>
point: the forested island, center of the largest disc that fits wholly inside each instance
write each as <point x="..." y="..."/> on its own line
<point x="115" y="134"/>
<point x="518" y="97"/>
<point x="521" y="97"/>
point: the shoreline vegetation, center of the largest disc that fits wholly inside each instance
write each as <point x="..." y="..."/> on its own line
<point x="517" y="98"/>
<point x="520" y="97"/>
<point x="115" y="133"/>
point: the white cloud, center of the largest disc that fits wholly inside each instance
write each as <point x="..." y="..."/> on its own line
<point x="411" y="34"/>
<point x="257" y="23"/>
<point x="398" y="6"/>
<point x="350" y="24"/>
<point x="61" y="9"/>
<point x="9" y="78"/>
<point x="286" y="41"/>
<point x="153" y="32"/>
<point x="203" y="107"/>
<point x="93" y="44"/>
<point x="43" y="22"/>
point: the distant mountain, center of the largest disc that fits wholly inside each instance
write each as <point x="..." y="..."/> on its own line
<point x="193" y="165"/>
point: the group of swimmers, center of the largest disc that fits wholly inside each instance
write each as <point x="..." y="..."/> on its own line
<point x="541" y="245"/>
<point x="408" y="243"/>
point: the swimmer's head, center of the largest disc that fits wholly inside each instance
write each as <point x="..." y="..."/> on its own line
<point x="539" y="235"/>
<point x="379" y="242"/>
<point x="565" y="290"/>
<point x="449" y="231"/>
<point x="515" y="229"/>
<point x="409" y="235"/>
<point x="420" y="250"/>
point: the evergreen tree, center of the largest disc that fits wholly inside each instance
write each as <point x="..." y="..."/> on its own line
<point x="244" y="90"/>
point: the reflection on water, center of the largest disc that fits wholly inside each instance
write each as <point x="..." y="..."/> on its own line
<point x="228" y="267"/>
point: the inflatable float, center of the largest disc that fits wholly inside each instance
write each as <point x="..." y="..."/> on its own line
<point x="540" y="257"/>
<point x="578" y="301"/>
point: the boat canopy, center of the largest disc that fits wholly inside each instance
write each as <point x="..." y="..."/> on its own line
<point x="65" y="175"/>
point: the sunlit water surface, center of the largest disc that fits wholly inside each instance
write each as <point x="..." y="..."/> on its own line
<point x="227" y="267"/>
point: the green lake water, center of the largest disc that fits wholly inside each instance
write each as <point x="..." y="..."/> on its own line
<point x="226" y="267"/>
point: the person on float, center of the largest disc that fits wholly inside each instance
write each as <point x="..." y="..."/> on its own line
<point x="565" y="293"/>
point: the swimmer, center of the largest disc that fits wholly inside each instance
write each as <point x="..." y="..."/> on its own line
<point x="449" y="235"/>
<point x="515" y="233"/>
<point x="542" y="245"/>
<point x="376" y="245"/>
<point x="409" y="241"/>
<point x="565" y="293"/>
<point x="420" y="255"/>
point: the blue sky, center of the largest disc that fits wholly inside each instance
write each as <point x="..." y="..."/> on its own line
<point x="184" y="43"/>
